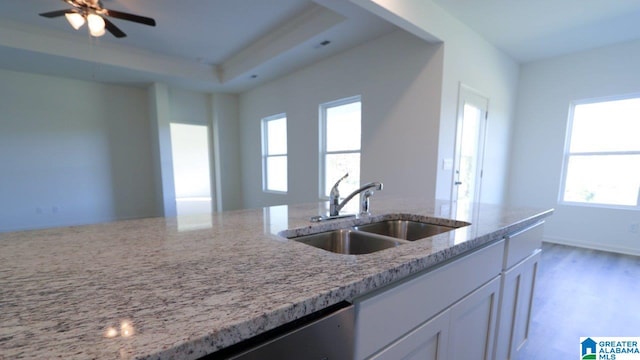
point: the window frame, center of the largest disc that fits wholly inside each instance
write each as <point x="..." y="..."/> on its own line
<point x="264" y="136"/>
<point x="323" y="139"/>
<point x="568" y="154"/>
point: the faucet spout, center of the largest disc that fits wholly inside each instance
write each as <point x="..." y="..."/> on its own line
<point x="367" y="191"/>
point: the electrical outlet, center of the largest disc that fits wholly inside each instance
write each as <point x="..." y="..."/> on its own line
<point x="634" y="228"/>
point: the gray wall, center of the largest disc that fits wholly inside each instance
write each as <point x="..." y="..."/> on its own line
<point x="546" y="90"/>
<point x="79" y="152"/>
<point x="468" y="59"/>
<point x="399" y="79"/>
<point x="72" y="152"/>
<point x="226" y="151"/>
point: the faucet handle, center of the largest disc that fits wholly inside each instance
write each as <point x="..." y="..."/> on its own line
<point x="335" y="193"/>
<point x="334" y="197"/>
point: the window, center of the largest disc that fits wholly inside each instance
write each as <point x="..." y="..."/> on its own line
<point x="340" y="145"/>
<point x="602" y="160"/>
<point x="274" y="153"/>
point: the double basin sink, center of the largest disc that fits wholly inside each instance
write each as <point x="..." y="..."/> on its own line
<point x="376" y="236"/>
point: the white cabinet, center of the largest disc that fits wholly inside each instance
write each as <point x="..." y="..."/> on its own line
<point x="406" y="319"/>
<point x="517" y="300"/>
<point x="475" y="307"/>
<point x="473" y="319"/>
<point x="517" y="290"/>
<point x="463" y="331"/>
<point x="522" y="244"/>
<point x="427" y="342"/>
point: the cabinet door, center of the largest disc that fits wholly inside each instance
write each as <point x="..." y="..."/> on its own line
<point x="473" y="324"/>
<point x="516" y="305"/>
<point x="427" y="342"/>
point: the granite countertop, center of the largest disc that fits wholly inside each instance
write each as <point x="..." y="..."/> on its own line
<point x="180" y="288"/>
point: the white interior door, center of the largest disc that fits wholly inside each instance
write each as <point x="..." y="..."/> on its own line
<point x="469" y="151"/>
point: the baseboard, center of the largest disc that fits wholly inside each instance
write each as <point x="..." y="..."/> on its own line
<point x="588" y="245"/>
<point x="78" y="222"/>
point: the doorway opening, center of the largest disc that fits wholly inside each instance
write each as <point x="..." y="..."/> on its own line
<point x="191" y="168"/>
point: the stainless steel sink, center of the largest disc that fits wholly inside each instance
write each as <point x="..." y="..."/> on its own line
<point x="348" y="241"/>
<point x="376" y="236"/>
<point x="404" y="229"/>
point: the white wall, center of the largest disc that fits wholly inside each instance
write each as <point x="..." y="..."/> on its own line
<point x="546" y="89"/>
<point x="226" y="151"/>
<point x="189" y="107"/>
<point x="468" y="59"/>
<point x="72" y="152"/>
<point x="472" y="61"/>
<point x="78" y="152"/>
<point x="399" y="79"/>
<point x="218" y="112"/>
<point x="160" y="129"/>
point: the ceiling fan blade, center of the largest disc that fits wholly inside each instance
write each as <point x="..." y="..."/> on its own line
<point x="113" y="29"/>
<point x="130" y="17"/>
<point x="52" y="14"/>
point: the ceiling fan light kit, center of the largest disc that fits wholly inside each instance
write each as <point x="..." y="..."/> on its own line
<point x="92" y="12"/>
<point x="75" y="20"/>
<point x="96" y="25"/>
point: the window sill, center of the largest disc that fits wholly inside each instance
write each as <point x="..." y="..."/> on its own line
<point x="600" y="206"/>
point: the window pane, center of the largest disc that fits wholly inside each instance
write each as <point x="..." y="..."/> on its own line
<point x="603" y="179"/>
<point x="277" y="173"/>
<point x="336" y="166"/>
<point x="343" y="127"/>
<point x="277" y="136"/>
<point x="469" y="150"/>
<point x="606" y="126"/>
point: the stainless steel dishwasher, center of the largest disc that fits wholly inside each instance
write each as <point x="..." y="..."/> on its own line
<point x="325" y="335"/>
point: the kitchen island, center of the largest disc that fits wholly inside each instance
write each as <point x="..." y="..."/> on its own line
<point x="181" y="288"/>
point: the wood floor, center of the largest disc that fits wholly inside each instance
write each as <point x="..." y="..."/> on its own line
<point x="581" y="292"/>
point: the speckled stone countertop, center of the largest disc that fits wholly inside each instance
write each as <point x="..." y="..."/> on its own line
<point x="180" y="288"/>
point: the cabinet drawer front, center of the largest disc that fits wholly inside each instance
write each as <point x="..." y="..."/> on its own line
<point x="522" y="244"/>
<point x="387" y="314"/>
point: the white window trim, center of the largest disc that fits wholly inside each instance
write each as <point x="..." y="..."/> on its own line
<point x="265" y="155"/>
<point x="322" y="113"/>
<point x="567" y="155"/>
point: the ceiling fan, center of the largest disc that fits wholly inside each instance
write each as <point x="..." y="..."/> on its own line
<point x="92" y="12"/>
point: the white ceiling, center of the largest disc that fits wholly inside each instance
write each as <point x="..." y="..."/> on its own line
<point x="535" y="29"/>
<point x="218" y="45"/>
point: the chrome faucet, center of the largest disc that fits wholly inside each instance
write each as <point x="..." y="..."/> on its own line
<point x="366" y="191"/>
<point x="334" y="197"/>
